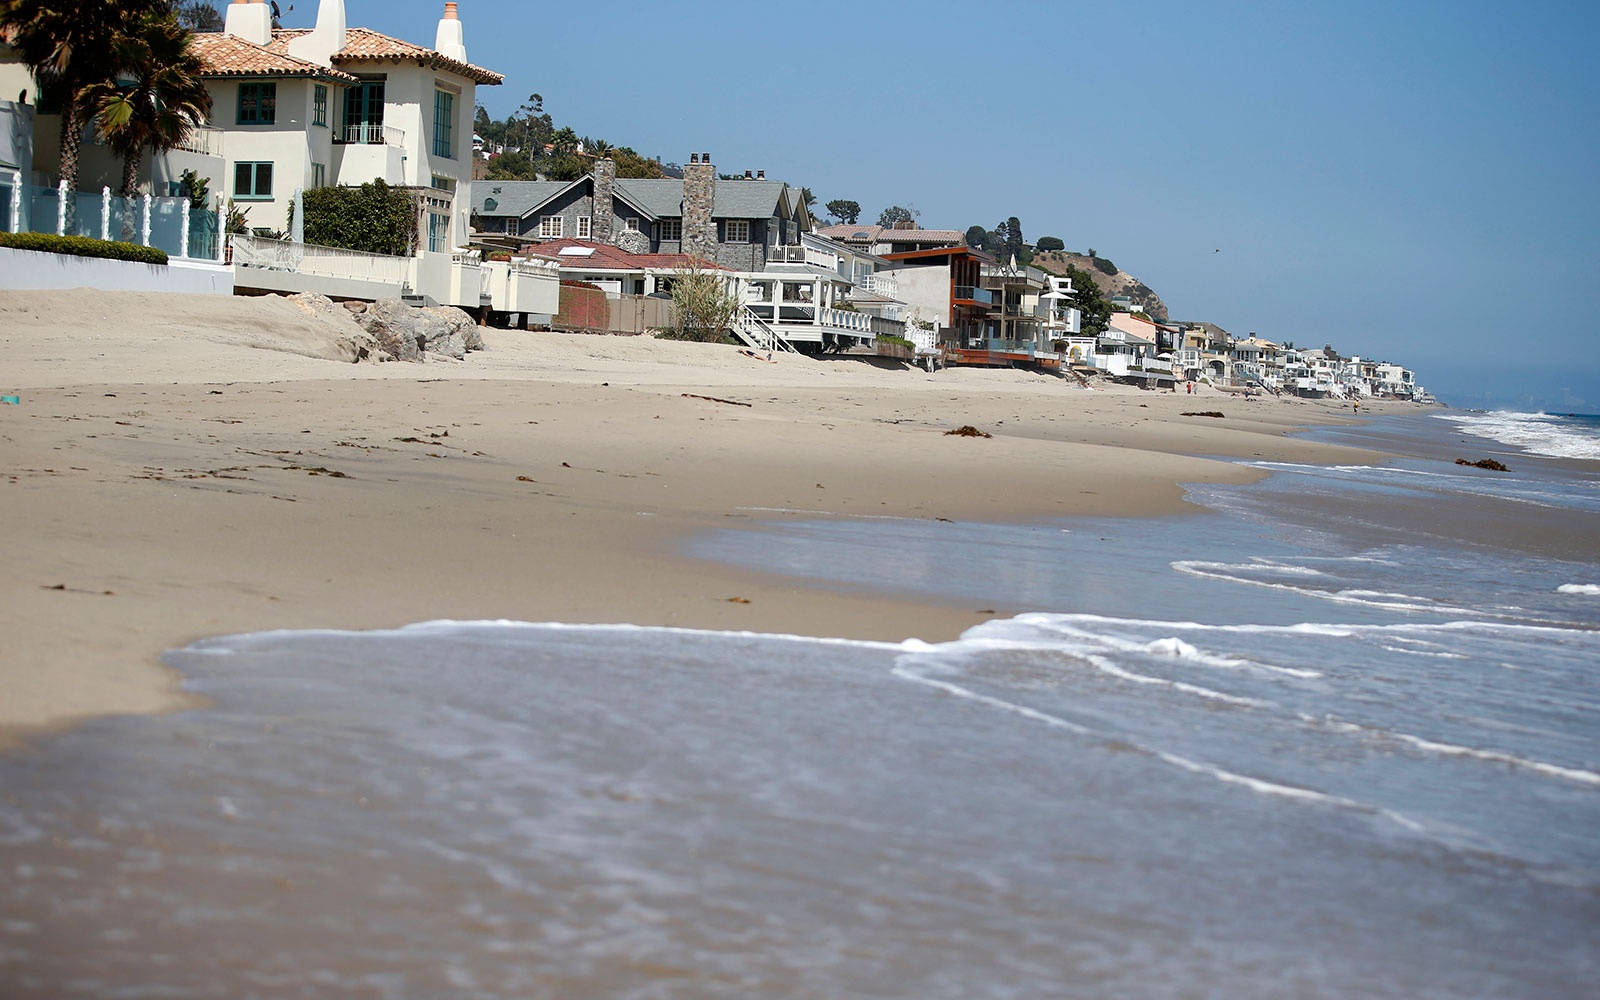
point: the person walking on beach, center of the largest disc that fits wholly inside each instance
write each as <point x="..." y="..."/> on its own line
<point x="1355" y="406"/>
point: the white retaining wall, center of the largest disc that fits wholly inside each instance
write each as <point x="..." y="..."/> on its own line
<point x="23" y="269"/>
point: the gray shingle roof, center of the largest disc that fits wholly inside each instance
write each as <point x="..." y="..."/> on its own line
<point x="662" y="198"/>
<point x="513" y="198"/>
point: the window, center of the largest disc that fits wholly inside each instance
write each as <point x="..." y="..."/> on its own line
<point x="444" y="183"/>
<point x="550" y="227"/>
<point x="363" y="113"/>
<point x="319" y="105"/>
<point x="258" y="103"/>
<point x="438" y="232"/>
<point x="444" y="115"/>
<point x="252" y="180"/>
<point x="737" y="231"/>
<point x="583" y="227"/>
<point x="632" y="225"/>
<point x="672" y="229"/>
<point x="319" y="175"/>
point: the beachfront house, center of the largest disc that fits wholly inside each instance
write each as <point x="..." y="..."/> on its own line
<point x="296" y="109"/>
<point x="16" y="135"/>
<point x="902" y="237"/>
<point x="738" y="224"/>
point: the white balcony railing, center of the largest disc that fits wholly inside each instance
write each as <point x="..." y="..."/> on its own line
<point x="371" y="134"/>
<point x="203" y="139"/>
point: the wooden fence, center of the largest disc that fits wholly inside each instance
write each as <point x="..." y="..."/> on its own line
<point x="589" y="310"/>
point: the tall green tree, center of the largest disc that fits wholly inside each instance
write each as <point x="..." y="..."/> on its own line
<point x="1015" y="247"/>
<point x="157" y="98"/>
<point x="198" y="15"/>
<point x="69" y="45"/>
<point x="846" y="211"/>
<point x="894" y="214"/>
<point x="977" y="237"/>
<point x="1089" y="301"/>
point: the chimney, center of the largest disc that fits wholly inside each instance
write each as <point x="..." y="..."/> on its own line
<point x="449" y="41"/>
<point x="321" y="43"/>
<point x="250" y="20"/>
<point x="605" y="180"/>
<point x="747" y="175"/>
<point x="699" y="198"/>
<point x="761" y="175"/>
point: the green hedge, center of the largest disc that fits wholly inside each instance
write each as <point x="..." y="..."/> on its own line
<point x="83" y="246"/>
<point x="372" y="218"/>
<point x="889" y="338"/>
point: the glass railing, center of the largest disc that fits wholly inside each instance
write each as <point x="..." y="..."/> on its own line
<point x="110" y="218"/>
<point x="970" y="293"/>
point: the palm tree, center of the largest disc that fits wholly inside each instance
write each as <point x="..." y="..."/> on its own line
<point x="158" y="98"/>
<point x="68" y="45"/>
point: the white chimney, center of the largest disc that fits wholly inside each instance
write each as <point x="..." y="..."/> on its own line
<point x="450" y="42"/>
<point x="250" y="20"/>
<point x="321" y="43"/>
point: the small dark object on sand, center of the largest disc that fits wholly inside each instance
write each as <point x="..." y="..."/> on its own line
<point x="1202" y="413"/>
<point x="1484" y="463"/>
<point x="968" y="431"/>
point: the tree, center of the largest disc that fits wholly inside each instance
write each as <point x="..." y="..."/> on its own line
<point x="631" y="164"/>
<point x="164" y="100"/>
<point x="977" y="237"/>
<point x="894" y="214"/>
<point x="1089" y="301"/>
<point x="1015" y="248"/>
<point x="198" y="15"/>
<point x="705" y="305"/>
<point x="68" y="45"/>
<point x="847" y="212"/>
<point x="1050" y="244"/>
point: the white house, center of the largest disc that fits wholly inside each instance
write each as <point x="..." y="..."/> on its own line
<point x="303" y="108"/>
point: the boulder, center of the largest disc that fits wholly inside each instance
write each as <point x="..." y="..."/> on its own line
<point x="410" y="333"/>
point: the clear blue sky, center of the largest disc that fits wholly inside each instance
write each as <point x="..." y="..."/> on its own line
<point x="1412" y="181"/>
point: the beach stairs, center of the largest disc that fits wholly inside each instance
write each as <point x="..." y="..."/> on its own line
<point x="758" y="334"/>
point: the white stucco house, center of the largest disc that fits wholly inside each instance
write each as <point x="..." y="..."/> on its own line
<point x="304" y="108"/>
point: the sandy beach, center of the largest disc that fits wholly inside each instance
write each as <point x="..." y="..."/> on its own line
<point x="184" y="466"/>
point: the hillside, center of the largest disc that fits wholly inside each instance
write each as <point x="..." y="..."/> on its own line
<point x="1119" y="283"/>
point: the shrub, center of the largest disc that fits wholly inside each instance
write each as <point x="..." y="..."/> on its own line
<point x="372" y="218"/>
<point x="502" y="256"/>
<point x="1104" y="266"/>
<point x="1049" y="244"/>
<point x="889" y="338"/>
<point x="83" y="246"/>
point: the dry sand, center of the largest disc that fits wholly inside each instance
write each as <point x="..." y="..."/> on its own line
<point x="183" y="466"/>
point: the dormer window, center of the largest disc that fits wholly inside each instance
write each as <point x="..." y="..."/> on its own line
<point x="737" y="231"/>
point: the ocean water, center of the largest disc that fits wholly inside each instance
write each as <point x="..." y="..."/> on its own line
<point x="1331" y="737"/>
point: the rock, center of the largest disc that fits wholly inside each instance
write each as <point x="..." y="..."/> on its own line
<point x="410" y="333"/>
<point x="633" y="242"/>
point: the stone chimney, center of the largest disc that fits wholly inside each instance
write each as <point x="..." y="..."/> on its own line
<point x="250" y="20"/>
<point x="449" y="41"/>
<point x="324" y="40"/>
<point x="699" y="198"/>
<point x="605" y="182"/>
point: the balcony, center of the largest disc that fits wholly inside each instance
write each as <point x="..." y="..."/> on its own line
<point x="369" y="134"/>
<point x="970" y="295"/>
<point x="202" y="139"/>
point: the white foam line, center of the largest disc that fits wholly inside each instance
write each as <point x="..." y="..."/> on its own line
<point x="905" y="673"/>
<point x="1257" y="785"/>
<point x="1500" y="757"/>
<point x="1106" y="666"/>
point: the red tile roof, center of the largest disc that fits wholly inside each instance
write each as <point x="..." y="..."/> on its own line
<point x="609" y="258"/>
<point x="363" y="45"/>
<point x="226" y="55"/>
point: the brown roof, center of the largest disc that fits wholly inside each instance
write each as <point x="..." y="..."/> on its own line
<point x="605" y="257"/>
<point x="363" y="45"/>
<point x="888" y="234"/>
<point x="226" y="55"/>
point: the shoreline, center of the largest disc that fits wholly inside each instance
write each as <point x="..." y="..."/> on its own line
<point x="550" y="478"/>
